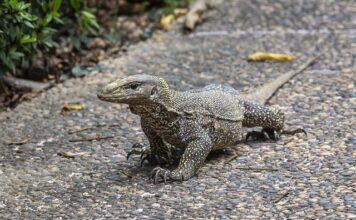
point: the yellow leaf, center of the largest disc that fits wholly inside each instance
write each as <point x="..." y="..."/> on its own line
<point x="269" y="56"/>
<point x="71" y="107"/>
<point x="166" y="22"/>
<point x="75" y="107"/>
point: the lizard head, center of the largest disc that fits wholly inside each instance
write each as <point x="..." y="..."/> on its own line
<point x="136" y="89"/>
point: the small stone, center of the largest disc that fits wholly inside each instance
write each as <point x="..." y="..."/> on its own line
<point x="156" y="205"/>
<point x="137" y="211"/>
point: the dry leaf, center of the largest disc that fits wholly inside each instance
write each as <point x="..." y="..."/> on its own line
<point x="126" y="174"/>
<point x="195" y="13"/>
<point x="72" y="155"/>
<point x="166" y="22"/>
<point x="71" y="107"/>
<point x="269" y="56"/>
<point x="96" y="138"/>
<point x="16" y="142"/>
<point x="180" y="12"/>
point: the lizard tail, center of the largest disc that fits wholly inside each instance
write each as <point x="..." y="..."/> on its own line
<point x="265" y="92"/>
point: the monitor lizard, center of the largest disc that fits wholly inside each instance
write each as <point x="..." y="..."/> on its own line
<point x="188" y="125"/>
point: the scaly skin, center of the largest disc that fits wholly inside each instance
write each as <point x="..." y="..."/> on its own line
<point x="186" y="126"/>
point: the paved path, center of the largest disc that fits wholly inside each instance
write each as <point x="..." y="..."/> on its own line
<point x="302" y="177"/>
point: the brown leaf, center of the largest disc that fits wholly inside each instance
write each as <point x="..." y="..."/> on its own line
<point x="16" y="142"/>
<point x="72" y="155"/>
<point x="195" y="13"/>
<point x="96" y="138"/>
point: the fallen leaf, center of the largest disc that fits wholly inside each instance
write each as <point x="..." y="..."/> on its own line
<point x="16" y="142"/>
<point x="71" y="107"/>
<point x="194" y="15"/>
<point x="72" y="155"/>
<point x="166" y="22"/>
<point x="126" y="174"/>
<point x="196" y="11"/>
<point x="96" y="138"/>
<point x="269" y="56"/>
<point x="180" y="12"/>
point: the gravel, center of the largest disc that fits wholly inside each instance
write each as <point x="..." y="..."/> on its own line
<point x="307" y="177"/>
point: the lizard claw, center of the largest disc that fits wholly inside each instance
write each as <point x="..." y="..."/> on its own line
<point x="146" y="154"/>
<point x="259" y="135"/>
<point x="138" y="149"/>
<point x="270" y="134"/>
<point x="165" y="174"/>
<point x="143" y="159"/>
<point x="159" y="172"/>
<point x="264" y="135"/>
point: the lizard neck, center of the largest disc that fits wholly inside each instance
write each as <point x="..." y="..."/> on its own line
<point x="164" y="94"/>
<point x="160" y="106"/>
<point x="154" y="111"/>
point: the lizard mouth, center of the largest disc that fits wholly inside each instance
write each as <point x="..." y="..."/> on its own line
<point x="109" y="98"/>
<point x="119" y="99"/>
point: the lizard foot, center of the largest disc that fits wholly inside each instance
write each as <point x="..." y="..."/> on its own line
<point x="143" y="151"/>
<point x="165" y="174"/>
<point x="264" y="135"/>
<point x="147" y="155"/>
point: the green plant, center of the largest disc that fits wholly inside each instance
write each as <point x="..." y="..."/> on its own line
<point x="22" y="31"/>
<point x="27" y="26"/>
<point x="170" y="5"/>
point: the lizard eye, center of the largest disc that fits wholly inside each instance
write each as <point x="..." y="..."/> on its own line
<point x="154" y="90"/>
<point x="133" y="86"/>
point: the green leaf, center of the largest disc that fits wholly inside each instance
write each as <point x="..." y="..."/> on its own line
<point x="8" y="62"/>
<point x="28" y="39"/>
<point x="29" y="24"/>
<point x="24" y="6"/>
<point x="28" y="16"/>
<point x="48" y="43"/>
<point x="75" y="4"/>
<point x="56" y="4"/>
<point x="98" y="67"/>
<point x="78" y="71"/>
<point x="88" y="14"/>
<point x="14" y="54"/>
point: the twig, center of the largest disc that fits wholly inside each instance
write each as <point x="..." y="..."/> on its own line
<point x="24" y="84"/>
<point x="233" y="157"/>
<point x="72" y="131"/>
<point x="113" y="125"/>
<point x="79" y="130"/>
<point x="284" y="195"/>
<point x="97" y="138"/>
<point x="257" y="169"/>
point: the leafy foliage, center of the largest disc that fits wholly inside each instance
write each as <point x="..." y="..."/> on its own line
<point x="28" y="25"/>
<point x="170" y="5"/>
